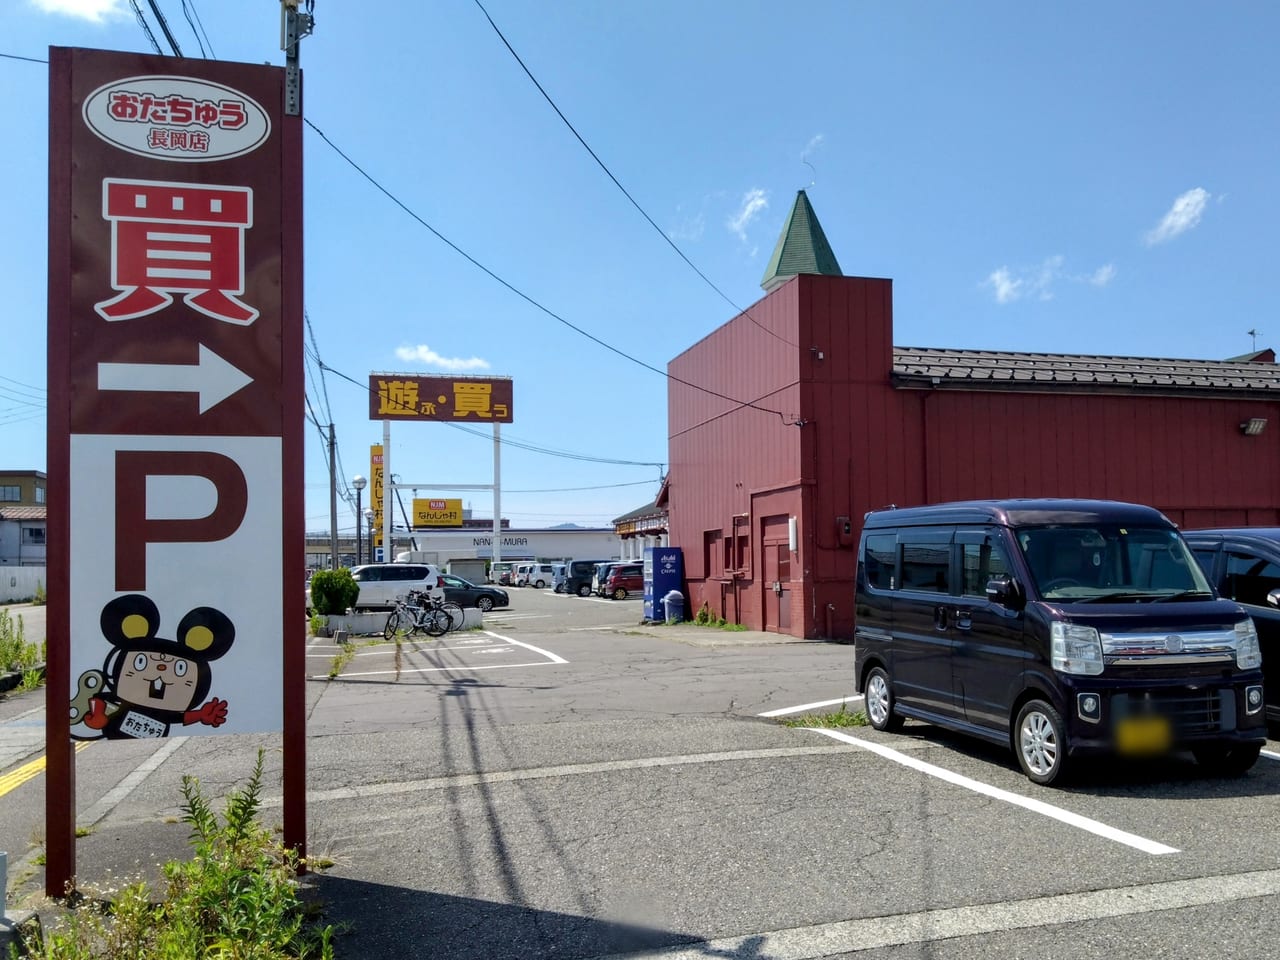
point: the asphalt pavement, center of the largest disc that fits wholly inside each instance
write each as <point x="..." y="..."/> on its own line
<point x="569" y="784"/>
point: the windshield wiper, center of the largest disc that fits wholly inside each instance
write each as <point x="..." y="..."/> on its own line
<point x="1118" y="595"/>
<point x="1185" y="595"/>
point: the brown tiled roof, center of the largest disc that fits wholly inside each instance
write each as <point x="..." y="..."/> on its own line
<point x="640" y="513"/>
<point x="23" y="513"/>
<point x="995" y="370"/>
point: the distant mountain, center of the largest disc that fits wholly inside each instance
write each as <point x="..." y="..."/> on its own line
<point x="567" y="526"/>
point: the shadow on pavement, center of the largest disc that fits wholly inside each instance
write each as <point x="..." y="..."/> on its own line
<point x="384" y="922"/>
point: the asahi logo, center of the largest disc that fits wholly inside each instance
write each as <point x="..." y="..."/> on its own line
<point x="176" y="118"/>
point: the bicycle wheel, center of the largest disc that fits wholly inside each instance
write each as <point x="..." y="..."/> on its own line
<point x="393" y="625"/>
<point x="456" y="615"/>
<point x="434" y="621"/>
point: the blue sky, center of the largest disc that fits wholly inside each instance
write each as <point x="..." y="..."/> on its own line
<point x="1083" y="178"/>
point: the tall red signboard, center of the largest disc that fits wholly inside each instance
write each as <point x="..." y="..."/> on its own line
<point x="175" y="383"/>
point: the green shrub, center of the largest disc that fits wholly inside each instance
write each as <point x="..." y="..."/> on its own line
<point x="333" y="591"/>
<point x="39" y="600"/>
<point x="237" y="898"/>
<point x="15" y="653"/>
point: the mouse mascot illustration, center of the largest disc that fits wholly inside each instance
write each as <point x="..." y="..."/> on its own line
<point x="148" y="684"/>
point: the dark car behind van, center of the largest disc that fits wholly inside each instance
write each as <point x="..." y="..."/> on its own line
<point x="1243" y="564"/>
<point x="577" y="577"/>
<point x="1055" y="627"/>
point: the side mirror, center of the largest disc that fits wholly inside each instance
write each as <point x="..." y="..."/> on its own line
<point x="1007" y="592"/>
<point x="1273" y="598"/>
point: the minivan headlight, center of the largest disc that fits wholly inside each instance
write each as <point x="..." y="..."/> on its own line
<point x="1075" y="649"/>
<point x="1248" y="653"/>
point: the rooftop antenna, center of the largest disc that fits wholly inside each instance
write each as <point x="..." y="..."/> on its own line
<point x="1253" y="334"/>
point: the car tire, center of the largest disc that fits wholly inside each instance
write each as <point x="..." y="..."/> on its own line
<point x="1040" y="742"/>
<point x="540" y="584"/>
<point x="584" y="590"/>
<point x="879" y="700"/>
<point x="1228" y="760"/>
<point x="485" y="604"/>
<point x="620" y="593"/>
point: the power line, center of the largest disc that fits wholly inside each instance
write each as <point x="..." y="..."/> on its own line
<point x="197" y="28"/>
<point x="164" y="26"/>
<point x="520" y="293"/>
<point x="609" y="173"/>
<point x="14" y="56"/>
<point x="29" y="386"/>
<point x="142" y="22"/>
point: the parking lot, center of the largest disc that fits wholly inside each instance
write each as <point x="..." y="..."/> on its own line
<point x="569" y="783"/>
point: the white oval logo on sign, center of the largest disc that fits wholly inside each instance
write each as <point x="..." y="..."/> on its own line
<point x="176" y="118"/>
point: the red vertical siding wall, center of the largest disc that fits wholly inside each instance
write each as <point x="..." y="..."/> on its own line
<point x="864" y="444"/>
<point x="725" y="458"/>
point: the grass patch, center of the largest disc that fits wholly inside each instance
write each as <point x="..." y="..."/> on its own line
<point x="83" y="832"/>
<point x="844" y="717"/>
<point x="341" y="659"/>
<point x="236" y="898"/>
<point x="705" y="618"/>
<point x="16" y="654"/>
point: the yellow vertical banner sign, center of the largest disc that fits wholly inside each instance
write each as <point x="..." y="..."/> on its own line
<point x="375" y="481"/>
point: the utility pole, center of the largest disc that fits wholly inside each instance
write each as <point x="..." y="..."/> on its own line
<point x="333" y="500"/>
<point x="293" y="27"/>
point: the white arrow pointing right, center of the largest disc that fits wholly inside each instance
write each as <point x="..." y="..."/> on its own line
<point x="212" y="377"/>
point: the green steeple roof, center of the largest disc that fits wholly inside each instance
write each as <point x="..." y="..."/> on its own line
<point x="802" y="248"/>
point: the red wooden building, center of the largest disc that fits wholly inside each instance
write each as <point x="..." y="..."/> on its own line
<point x="805" y="416"/>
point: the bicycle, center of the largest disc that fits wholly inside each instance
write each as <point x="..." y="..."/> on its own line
<point x="419" y="612"/>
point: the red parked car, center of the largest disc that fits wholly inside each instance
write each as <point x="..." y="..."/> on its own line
<point x="624" y="580"/>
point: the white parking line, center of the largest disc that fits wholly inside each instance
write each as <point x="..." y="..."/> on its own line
<point x="551" y="660"/>
<point x="529" y="646"/>
<point x="1035" y="806"/>
<point x="949" y="924"/>
<point x="1270" y="755"/>
<point x="782" y="712"/>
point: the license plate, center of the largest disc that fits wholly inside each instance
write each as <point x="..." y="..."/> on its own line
<point x="1143" y="735"/>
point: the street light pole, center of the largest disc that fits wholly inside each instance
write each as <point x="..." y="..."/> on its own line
<point x="359" y="483"/>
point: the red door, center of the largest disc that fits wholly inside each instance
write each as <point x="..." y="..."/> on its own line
<point x="776" y="550"/>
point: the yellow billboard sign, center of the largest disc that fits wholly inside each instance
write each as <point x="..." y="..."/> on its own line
<point x="437" y="513"/>
<point x="376" y="480"/>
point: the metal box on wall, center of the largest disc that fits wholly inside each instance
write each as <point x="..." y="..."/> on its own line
<point x="663" y="572"/>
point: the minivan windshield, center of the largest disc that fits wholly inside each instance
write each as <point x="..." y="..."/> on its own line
<point x="1111" y="563"/>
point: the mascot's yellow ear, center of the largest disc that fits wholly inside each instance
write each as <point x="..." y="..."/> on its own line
<point x="134" y="626"/>
<point x="199" y="638"/>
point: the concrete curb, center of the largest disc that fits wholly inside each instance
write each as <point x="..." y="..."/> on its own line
<point x="11" y="925"/>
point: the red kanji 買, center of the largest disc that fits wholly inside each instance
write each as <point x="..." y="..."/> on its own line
<point x="169" y="238"/>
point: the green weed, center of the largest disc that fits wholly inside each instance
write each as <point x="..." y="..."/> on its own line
<point x="844" y="717"/>
<point x="16" y="654"/>
<point x="236" y="898"/>
<point x="341" y="659"/>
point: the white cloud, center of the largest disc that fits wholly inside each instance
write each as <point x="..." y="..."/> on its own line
<point x="1037" y="283"/>
<point x="1182" y="216"/>
<point x="1007" y="287"/>
<point x="425" y="355"/>
<point x="754" y="201"/>
<point x="1103" y="275"/>
<point x="95" y="10"/>
<point x="812" y="146"/>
